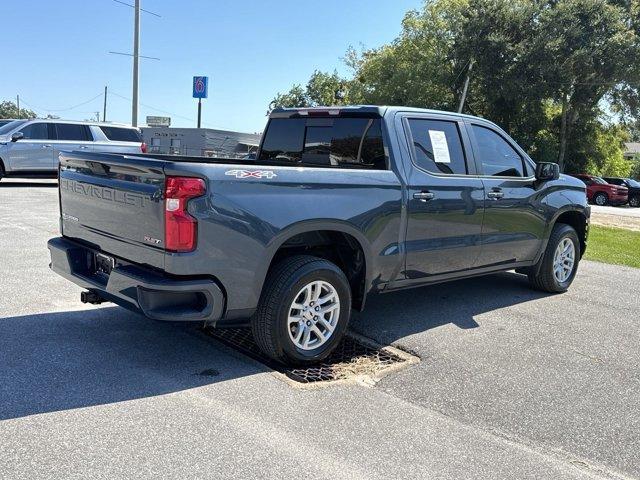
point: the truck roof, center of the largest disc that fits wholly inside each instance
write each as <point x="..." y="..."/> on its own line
<point x="361" y="110"/>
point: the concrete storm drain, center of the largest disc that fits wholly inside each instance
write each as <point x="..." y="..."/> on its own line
<point x="356" y="360"/>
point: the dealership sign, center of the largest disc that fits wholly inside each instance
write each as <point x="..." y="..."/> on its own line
<point x="153" y="121"/>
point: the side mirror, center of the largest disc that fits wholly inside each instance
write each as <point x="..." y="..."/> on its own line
<point x="17" y="136"/>
<point x="546" y="171"/>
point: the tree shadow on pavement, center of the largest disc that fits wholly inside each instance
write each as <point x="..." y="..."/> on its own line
<point x="389" y="317"/>
<point x="60" y="361"/>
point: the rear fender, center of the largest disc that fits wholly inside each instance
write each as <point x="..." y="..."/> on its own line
<point x="313" y="226"/>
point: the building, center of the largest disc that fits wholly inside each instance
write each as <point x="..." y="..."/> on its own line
<point x="631" y="150"/>
<point x="205" y="142"/>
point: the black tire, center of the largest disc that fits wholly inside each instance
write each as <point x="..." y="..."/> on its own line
<point x="270" y="322"/>
<point x="601" y="199"/>
<point x="545" y="278"/>
<point x="634" y="201"/>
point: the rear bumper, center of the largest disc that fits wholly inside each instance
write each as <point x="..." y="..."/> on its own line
<point x="138" y="288"/>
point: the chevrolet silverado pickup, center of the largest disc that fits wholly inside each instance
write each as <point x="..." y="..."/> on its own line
<point x="339" y="203"/>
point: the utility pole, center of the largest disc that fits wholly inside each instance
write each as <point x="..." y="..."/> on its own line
<point x="136" y="58"/>
<point x="465" y="88"/>
<point x="104" y="108"/>
<point x="18" y="104"/>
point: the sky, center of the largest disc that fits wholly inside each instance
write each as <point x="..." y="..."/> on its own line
<point x="56" y="54"/>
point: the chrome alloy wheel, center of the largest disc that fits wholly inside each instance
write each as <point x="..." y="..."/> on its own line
<point x="564" y="260"/>
<point x="313" y="315"/>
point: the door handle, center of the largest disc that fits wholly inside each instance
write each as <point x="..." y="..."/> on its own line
<point x="83" y="147"/>
<point x="46" y="146"/>
<point x="423" y="196"/>
<point x="495" y="194"/>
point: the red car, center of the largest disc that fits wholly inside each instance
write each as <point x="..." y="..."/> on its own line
<point x="602" y="193"/>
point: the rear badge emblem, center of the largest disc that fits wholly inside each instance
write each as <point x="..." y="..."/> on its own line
<point x="155" y="241"/>
<point x="251" y="173"/>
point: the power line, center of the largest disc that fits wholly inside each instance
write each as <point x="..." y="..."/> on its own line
<point x="156" y="109"/>
<point x="133" y="6"/>
<point x="62" y="109"/>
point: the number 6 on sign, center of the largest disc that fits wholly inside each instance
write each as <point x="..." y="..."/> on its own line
<point x="200" y="87"/>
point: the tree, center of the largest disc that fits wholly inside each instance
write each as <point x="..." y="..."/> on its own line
<point x="418" y="68"/>
<point x="545" y="70"/>
<point x="9" y="109"/>
<point x="588" y="47"/>
<point x="322" y="89"/>
<point x="505" y="84"/>
<point x="635" y="168"/>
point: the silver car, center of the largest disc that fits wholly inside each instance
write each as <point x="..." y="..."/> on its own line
<point x="31" y="147"/>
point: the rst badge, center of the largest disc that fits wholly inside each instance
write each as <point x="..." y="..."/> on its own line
<point x="251" y="173"/>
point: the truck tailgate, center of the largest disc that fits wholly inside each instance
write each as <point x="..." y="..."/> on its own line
<point x="114" y="203"/>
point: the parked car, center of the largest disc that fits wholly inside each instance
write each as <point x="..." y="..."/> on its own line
<point x="4" y="121"/>
<point x="602" y="193"/>
<point x="631" y="184"/>
<point x="31" y="147"/>
<point x="340" y="203"/>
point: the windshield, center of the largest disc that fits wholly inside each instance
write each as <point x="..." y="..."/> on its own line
<point x="599" y="180"/>
<point x="10" y="126"/>
<point x="633" y="183"/>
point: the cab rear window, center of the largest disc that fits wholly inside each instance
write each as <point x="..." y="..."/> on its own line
<point x="122" y="134"/>
<point x="325" y="142"/>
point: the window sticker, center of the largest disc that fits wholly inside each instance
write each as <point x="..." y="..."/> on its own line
<point x="440" y="146"/>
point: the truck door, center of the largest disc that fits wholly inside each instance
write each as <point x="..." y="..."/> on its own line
<point x="514" y="221"/>
<point x="446" y="201"/>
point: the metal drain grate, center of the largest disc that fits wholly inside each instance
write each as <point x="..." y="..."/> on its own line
<point x="356" y="358"/>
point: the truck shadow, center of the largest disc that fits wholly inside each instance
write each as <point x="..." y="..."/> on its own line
<point x="60" y="361"/>
<point x="66" y="360"/>
<point x="392" y="316"/>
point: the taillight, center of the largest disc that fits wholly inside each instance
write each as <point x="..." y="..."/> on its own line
<point x="143" y="147"/>
<point x="180" y="228"/>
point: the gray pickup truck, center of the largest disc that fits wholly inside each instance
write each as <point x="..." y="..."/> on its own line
<point x="340" y="203"/>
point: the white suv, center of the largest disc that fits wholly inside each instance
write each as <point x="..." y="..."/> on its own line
<point x="30" y="147"/>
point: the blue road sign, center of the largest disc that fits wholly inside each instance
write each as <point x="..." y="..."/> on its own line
<point x="200" y="87"/>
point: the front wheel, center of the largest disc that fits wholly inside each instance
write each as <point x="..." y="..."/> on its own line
<point x="304" y="310"/>
<point x="557" y="268"/>
<point x="601" y="199"/>
<point x="634" y="201"/>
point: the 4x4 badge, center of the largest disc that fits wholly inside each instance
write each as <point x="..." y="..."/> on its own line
<point x="251" y="173"/>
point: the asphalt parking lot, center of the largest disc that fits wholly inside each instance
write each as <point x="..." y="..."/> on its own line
<point x="511" y="384"/>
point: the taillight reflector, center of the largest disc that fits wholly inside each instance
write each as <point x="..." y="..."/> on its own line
<point x="143" y="147"/>
<point x="180" y="228"/>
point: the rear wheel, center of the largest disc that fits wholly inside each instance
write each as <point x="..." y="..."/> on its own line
<point x="304" y="310"/>
<point x="558" y="266"/>
<point x="601" y="199"/>
<point x="634" y="201"/>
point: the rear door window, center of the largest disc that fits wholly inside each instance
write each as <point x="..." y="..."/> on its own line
<point x="326" y="142"/>
<point x="73" y="132"/>
<point x="437" y="146"/>
<point x="118" y="134"/>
